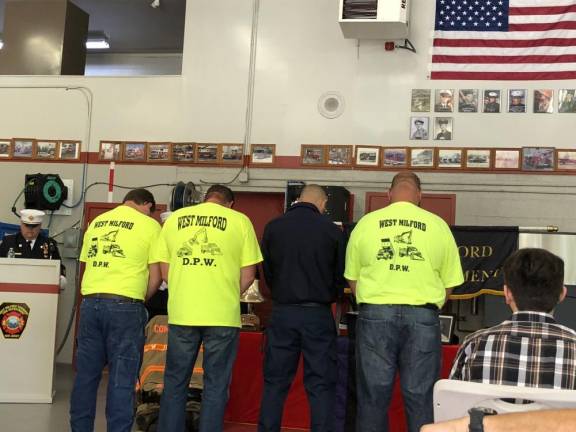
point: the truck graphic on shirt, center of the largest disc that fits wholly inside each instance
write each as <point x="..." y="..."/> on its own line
<point x="200" y="238"/>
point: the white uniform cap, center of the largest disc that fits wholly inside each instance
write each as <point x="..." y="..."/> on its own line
<point x="517" y="93"/>
<point x="165" y="215"/>
<point x="31" y="216"/>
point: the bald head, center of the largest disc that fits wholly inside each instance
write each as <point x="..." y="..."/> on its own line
<point x="314" y="194"/>
<point x="405" y="187"/>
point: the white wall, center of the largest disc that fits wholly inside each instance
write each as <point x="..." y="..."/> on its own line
<point x="300" y="55"/>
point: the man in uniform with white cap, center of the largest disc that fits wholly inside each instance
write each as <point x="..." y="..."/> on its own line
<point x="517" y="101"/>
<point x="30" y="242"/>
<point x="445" y="102"/>
<point x="491" y="101"/>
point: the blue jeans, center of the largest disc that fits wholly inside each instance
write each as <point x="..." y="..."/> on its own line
<point x="111" y="332"/>
<point x="293" y="330"/>
<point x="220" y="347"/>
<point x="390" y="339"/>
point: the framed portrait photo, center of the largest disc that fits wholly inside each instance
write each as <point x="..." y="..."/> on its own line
<point x="367" y="156"/>
<point x="444" y="100"/>
<point x="394" y="157"/>
<point x="468" y="100"/>
<point x="23" y="148"/>
<point x="422" y="157"/>
<point x="340" y="155"/>
<point x="159" y="152"/>
<point x="517" y="101"/>
<point x="447" y="324"/>
<point x="491" y="101"/>
<point x="231" y="154"/>
<point x="312" y="155"/>
<point x="5" y="148"/>
<point x="565" y="160"/>
<point x="419" y="128"/>
<point x="543" y="101"/>
<point x="478" y="158"/>
<point x="420" y="100"/>
<point x="47" y="150"/>
<point x="538" y="158"/>
<point x="69" y="150"/>
<point x="263" y="154"/>
<point x="449" y="158"/>
<point x="183" y="152"/>
<point x="135" y="151"/>
<point x="110" y="151"/>
<point x="443" y="128"/>
<point x="566" y="101"/>
<point x="508" y="159"/>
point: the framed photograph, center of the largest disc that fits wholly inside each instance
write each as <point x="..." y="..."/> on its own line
<point x="468" y="101"/>
<point x="443" y="128"/>
<point x="447" y="324"/>
<point x="206" y="153"/>
<point x="183" y="152"/>
<point x="449" y="158"/>
<point x="543" y="101"/>
<point x="419" y="127"/>
<point x="565" y="160"/>
<point x="340" y="155"/>
<point x="517" y="101"/>
<point x="110" y="150"/>
<point x="443" y="100"/>
<point x="538" y="158"/>
<point x="232" y="153"/>
<point x="478" y="158"/>
<point x="5" y="148"/>
<point x="395" y="157"/>
<point x="263" y="154"/>
<point x="507" y="159"/>
<point x="47" y="149"/>
<point x="69" y="150"/>
<point x="491" y="101"/>
<point x="312" y="155"/>
<point x="23" y="148"/>
<point x="422" y="157"/>
<point x="566" y="101"/>
<point x="135" y="152"/>
<point x="159" y="152"/>
<point x="420" y="100"/>
<point x="367" y="156"/>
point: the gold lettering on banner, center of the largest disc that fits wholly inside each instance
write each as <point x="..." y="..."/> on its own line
<point x="475" y="251"/>
<point x="480" y="275"/>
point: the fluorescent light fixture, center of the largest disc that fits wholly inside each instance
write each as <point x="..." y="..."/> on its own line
<point x="97" y="40"/>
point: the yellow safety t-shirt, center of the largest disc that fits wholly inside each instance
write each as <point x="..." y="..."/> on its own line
<point x="402" y="254"/>
<point x="117" y="250"/>
<point x="206" y="246"/>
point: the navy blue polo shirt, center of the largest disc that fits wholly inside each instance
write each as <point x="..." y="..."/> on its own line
<point x="303" y="257"/>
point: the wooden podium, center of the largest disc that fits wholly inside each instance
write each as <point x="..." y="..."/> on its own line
<point x="29" y="291"/>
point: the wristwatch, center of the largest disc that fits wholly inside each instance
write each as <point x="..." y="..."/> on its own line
<point x="477" y="415"/>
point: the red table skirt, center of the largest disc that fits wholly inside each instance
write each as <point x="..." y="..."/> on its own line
<point x="247" y="383"/>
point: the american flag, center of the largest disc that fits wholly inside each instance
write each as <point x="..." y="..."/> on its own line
<point x="504" y="40"/>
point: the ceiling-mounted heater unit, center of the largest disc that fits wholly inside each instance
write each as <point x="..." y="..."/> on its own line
<point x="374" y="19"/>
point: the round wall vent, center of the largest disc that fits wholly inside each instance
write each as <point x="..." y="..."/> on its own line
<point x="331" y="105"/>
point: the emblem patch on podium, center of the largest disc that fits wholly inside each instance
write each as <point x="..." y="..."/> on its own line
<point x="13" y="319"/>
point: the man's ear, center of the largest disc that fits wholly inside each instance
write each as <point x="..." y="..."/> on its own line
<point x="508" y="295"/>
<point x="563" y="294"/>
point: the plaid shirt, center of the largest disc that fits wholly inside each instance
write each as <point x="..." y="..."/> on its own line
<point x="528" y="350"/>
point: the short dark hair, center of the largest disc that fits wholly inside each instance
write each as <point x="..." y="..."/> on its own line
<point x="220" y="192"/>
<point x="535" y="277"/>
<point x="406" y="177"/>
<point x="141" y="196"/>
